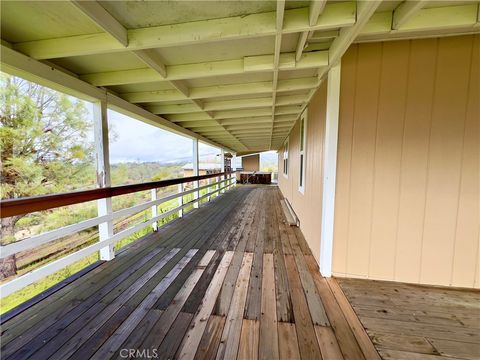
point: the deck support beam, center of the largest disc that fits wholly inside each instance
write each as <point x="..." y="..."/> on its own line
<point x="104" y="206"/>
<point x="330" y="171"/>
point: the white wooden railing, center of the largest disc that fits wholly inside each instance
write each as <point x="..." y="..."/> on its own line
<point x="223" y="182"/>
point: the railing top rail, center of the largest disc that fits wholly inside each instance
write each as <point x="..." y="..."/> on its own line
<point x="12" y="207"/>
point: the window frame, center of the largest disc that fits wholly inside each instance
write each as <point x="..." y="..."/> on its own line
<point x="302" y="152"/>
<point x="286" y="151"/>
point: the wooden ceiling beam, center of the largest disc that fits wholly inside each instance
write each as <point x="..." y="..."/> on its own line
<point x="336" y="15"/>
<point x="244" y="65"/>
<point x="107" y="22"/>
<point x="405" y="11"/>
<point x="264" y="87"/>
<point x="231" y="114"/>
<point x="227" y="104"/>
<point x="315" y="10"/>
<point x="102" y="18"/>
<point x="424" y="23"/>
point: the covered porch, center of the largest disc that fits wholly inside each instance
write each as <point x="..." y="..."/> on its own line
<point x="372" y="108"/>
<point x="232" y="280"/>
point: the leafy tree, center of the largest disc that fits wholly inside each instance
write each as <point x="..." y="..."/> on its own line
<point x="43" y="144"/>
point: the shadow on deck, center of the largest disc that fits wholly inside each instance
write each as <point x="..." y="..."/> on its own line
<point x="230" y="280"/>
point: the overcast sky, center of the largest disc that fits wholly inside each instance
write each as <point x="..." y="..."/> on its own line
<point x="137" y="141"/>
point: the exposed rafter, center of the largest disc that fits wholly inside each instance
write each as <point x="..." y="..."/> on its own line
<point x="365" y="10"/>
<point x="426" y="22"/>
<point x="315" y="10"/>
<point x="231" y="114"/>
<point x="20" y="65"/>
<point x="336" y="15"/>
<point x="405" y="11"/>
<point x="228" y="104"/>
<point x="264" y="87"/>
<point x="244" y="65"/>
<point x="212" y="94"/>
<point x="102" y="18"/>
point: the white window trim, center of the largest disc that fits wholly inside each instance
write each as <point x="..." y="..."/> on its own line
<point x="286" y="144"/>
<point x="302" y="172"/>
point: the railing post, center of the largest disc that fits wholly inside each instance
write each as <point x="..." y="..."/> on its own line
<point x="104" y="206"/>
<point x="180" y="200"/>
<point x="196" y="194"/>
<point x="208" y="189"/>
<point x="222" y="159"/>
<point x="154" y="209"/>
<point x="234" y="167"/>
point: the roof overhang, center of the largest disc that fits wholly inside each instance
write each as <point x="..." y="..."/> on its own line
<point x="236" y="75"/>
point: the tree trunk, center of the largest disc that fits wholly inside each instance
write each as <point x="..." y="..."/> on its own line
<point x="8" y="265"/>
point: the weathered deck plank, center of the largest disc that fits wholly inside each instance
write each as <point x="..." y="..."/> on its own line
<point x="232" y="280"/>
<point x="418" y="322"/>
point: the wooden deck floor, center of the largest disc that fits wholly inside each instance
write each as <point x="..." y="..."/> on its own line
<point x="230" y="280"/>
<point x="417" y="322"/>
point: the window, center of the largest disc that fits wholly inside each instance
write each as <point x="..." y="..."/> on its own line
<point x="303" y="139"/>
<point x="285" y="158"/>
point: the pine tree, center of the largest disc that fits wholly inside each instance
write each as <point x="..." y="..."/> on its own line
<point x="43" y="146"/>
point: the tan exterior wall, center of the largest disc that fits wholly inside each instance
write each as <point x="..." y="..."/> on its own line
<point x="407" y="199"/>
<point x="307" y="206"/>
<point x="251" y="163"/>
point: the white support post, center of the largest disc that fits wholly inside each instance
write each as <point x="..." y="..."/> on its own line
<point x="222" y="159"/>
<point x="180" y="200"/>
<point x="234" y="167"/>
<point x="104" y="206"/>
<point x="330" y="171"/>
<point x="196" y="194"/>
<point x="154" y="210"/>
<point x="208" y="188"/>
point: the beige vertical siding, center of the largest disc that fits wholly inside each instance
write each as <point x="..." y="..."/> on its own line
<point x="251" y="163"/>
<point x="307" y="205"/>
<point x="407" y="200"/>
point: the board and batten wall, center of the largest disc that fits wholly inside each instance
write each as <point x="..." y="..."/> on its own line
<point x="408" y="165"/>
<point x="307" y="205"/>
<point x="251" y="162"/>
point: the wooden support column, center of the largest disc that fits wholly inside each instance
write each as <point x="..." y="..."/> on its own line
<point x="330" y="171"/>
<point x="104" y="206"/>
<point x="195" y="163"/>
